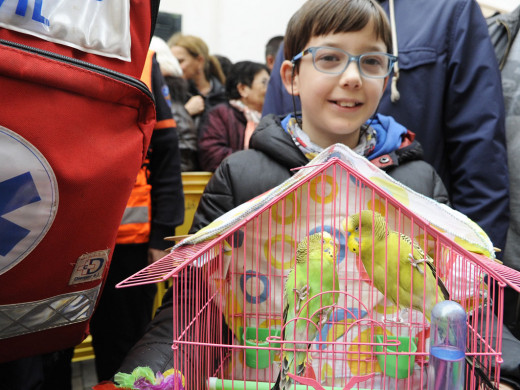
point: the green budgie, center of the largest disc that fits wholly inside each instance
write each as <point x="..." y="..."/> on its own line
<point x="305" y="308"/>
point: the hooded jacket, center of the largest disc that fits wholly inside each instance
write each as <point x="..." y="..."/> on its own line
<point x="503" y="30"/>
<point x="271" y="157"/>
<point x="451" y="98"/>
<point x="504" y="35"/>
<point x="272" y="150"/>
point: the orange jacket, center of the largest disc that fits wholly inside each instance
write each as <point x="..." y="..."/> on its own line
<point x="135" y="225"/>
<point x="153" y="212"/>
<point x="136" y="222"/>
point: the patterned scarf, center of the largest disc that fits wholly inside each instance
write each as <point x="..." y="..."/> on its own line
<point x="367" y="140"/>
<point x="252" y="117"/>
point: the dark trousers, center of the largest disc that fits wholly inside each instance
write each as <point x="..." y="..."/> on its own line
<point x="122" y="314"/>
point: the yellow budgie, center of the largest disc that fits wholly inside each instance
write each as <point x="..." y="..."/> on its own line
<point x="305" y="308"/>
<point x="391" y="251"/>
<point x="387" y="248"/>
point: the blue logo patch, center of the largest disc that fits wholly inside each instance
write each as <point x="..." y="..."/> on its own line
<point x="28" y="198"/>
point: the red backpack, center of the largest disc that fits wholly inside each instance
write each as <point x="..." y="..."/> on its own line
<point x="75" y="123"/>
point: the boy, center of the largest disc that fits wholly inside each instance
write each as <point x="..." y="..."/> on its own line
<point x="447" y="90"/>
<point x="339" y="93"/>
<point x="340" y="67"/>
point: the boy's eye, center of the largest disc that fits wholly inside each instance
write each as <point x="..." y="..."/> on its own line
<point x="373" y="61"/>
<point x="328" y="57"/>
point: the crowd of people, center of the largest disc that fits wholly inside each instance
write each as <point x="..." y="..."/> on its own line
<point x="444" y="90"/>
<point x="438" y="87"/>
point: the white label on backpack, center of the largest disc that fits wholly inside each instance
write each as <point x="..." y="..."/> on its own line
<point x="28" y="198"/>
<point x="89" y="267"/>
<point x="96" y="26"/>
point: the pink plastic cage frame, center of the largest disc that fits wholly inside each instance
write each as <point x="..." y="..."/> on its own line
<point x="209" y="343"/>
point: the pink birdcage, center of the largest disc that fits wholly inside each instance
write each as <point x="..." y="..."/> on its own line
<point x="228" y="286"/>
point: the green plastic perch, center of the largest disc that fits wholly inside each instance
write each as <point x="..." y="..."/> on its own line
<point x="228" y="384"/>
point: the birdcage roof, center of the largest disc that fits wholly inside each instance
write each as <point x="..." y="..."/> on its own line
<point x="336" y="157"/>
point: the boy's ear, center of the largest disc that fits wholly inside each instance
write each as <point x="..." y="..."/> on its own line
<point x="289" y="77"/>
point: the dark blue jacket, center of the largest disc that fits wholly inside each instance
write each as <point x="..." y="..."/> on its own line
<point x="451" y="97"/>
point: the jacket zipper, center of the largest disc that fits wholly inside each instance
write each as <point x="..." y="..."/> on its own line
<point x="83" y="64"/>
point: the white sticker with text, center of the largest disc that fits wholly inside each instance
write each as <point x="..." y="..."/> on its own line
<point x="89" y="267"/>
<point x="95" y="26"/>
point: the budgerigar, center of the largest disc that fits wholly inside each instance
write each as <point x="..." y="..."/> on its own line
<point x="388" y="248"/>
<point x="305" y="308"/>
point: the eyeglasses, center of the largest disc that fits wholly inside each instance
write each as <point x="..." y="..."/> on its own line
<point x="334" y="61"/>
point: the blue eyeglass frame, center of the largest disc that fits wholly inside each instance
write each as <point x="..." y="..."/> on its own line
<point x="312" y="50"/>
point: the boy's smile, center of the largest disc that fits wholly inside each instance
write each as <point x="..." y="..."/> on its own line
<point x="334" y="106"/>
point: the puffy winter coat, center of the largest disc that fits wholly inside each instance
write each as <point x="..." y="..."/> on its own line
<point x="272" y="154"/>
<point x="244" y="175"/>
<point x="221" y="134"/>
<point x="504" y="30"/>
<point x="504" y="35"/>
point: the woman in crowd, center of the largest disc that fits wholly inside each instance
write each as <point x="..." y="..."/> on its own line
<point x="203" y="72"/>
<point x="178" y="88"/>
<point x="228" y="126"/>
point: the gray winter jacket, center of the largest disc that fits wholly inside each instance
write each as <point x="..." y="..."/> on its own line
<point x="503" y="30"/>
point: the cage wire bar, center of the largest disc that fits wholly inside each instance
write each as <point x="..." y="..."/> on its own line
<point x="228" y="296"/>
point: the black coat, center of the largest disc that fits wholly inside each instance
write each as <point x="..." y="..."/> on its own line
<point x="271" y="157"/>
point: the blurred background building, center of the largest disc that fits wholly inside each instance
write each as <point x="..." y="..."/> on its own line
<point x="240" y="30"/>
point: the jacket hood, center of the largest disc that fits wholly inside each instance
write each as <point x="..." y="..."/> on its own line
<point x="389" y="135"/>
<point x="503" y="29"/>
<point x="270" y="139"/>
<point x="395" y="144"/>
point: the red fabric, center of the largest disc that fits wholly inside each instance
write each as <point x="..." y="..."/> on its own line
<point x="94" y="131"/>
<point x="107" y="386"/>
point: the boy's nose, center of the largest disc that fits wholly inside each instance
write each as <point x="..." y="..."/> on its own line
<point x="351" y="76"/>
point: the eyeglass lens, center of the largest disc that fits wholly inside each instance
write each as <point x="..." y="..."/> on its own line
<point x="331" y="60"/>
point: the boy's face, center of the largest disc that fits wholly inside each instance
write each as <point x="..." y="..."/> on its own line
<point x="335" y="106"/>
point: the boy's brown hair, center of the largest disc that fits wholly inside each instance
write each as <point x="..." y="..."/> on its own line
<point x="322" y="17"/>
